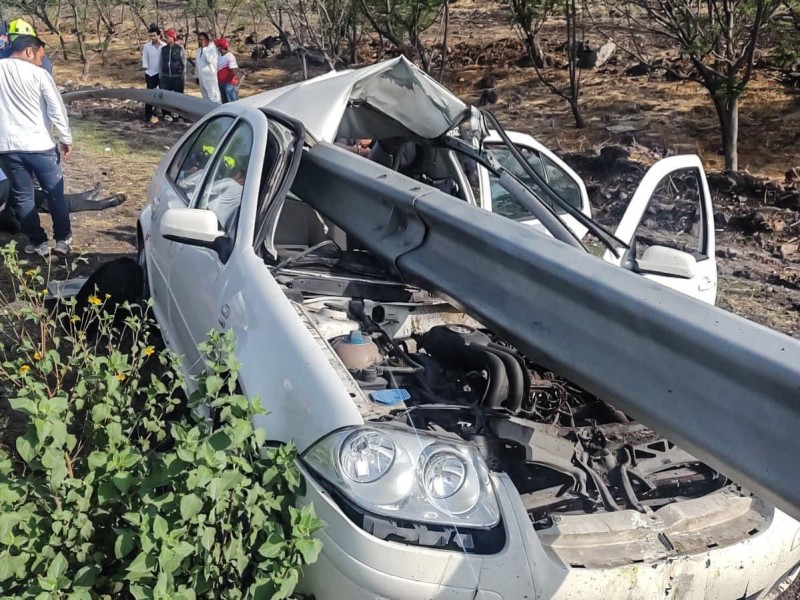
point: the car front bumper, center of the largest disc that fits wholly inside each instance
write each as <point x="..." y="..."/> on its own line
<point x="356" y="565"/>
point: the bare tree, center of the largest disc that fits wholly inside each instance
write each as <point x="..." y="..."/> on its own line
<point x="718" y="37"/>
<point x="402" y="23"/>
<point x="529" y="17"/>
<point x="323" y="26"/>
<point x="46" y="11"/>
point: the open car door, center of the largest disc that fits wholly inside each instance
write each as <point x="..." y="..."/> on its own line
<point x="669" y="226"/>
<point x="547" y="165"/>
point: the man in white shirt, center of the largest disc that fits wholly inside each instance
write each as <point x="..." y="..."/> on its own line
<point x="151" y="63"/>
<point x="205" y="67"/>
<point x="31" y="115"/>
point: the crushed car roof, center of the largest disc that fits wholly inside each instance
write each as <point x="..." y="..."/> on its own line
<point x="400" y="93"/>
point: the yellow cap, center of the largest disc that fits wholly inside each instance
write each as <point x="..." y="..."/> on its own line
<point x="20" y="27"/>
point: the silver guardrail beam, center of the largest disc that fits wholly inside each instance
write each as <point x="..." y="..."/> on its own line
<point x="190" y="107"/>
<point x="724" y="388"/>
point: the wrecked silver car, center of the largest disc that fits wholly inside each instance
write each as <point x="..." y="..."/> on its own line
<point x="438" y="365"/>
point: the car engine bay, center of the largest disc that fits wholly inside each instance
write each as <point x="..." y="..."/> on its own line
<point x="426" y="365"/>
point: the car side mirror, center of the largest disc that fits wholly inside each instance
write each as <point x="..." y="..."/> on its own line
<point x="660" y="260"/>
<point x="196" y="227"/>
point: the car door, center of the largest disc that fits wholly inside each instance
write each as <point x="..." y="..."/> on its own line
<point x="547" y="165"/>
<point x="669" y="225"/>
<point x="177" y="189"/>
<point x="197" y="275"/>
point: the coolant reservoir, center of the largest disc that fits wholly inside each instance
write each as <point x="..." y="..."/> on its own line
<point x="356" y="350"/>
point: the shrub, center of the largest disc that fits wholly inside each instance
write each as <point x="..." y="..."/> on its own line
<point x="113" y="489"/>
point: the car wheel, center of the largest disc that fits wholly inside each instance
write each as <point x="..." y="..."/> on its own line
<point x="141" y="259"/>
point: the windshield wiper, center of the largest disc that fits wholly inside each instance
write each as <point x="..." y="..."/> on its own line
<point x="523" y="194"/>
<point x="608" y="239"/>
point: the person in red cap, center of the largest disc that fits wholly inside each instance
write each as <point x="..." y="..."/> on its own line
<point x="227" y="72"/>
<point x="173" y="66"/>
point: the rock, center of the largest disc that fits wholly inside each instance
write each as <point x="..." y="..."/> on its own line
<point x="743" y="273"/>
<point x="721" y="219"/>
<point x="792" y="175"/>
<point x="605" y="52"/>
<point x="788" y="250"/>
<point x="587" y="58"/>
<point x="612" y="154"/>
<point x="623" y="128"/>
<point x="727" y="253"/>
<point x="638" y="70"/>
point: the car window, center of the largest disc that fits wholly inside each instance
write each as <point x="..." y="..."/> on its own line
<point x="223" y="189"/>
<point x="191" y="161"/>
<point x="675" y="217"/>
<point x="504" y="204"/>
<point x="561" y="182"/>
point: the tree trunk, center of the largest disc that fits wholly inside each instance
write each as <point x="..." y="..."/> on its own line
<point x="576" y="113"/>
<point x="445" y="40"/>
<point x="727" y="107"/>
<point x="535" y="52"/>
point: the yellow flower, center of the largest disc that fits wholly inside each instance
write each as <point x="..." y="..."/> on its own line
<point x="108" y="296"/>
<point x="121" y="376"/>
<point x="95" y="300"/>
<point x="31" y="272"/>
<point x="149" y="351"/>
<point x="37" y="355"/>
<point x="23" y="370"/>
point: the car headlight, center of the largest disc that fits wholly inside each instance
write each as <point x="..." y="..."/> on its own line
<point x="408" y="475"/>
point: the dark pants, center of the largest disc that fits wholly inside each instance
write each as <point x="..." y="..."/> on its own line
<point x="151" y="81"/>
<point x="20" y="167"/>
<point x="228" y="92"/>
<point x="172" y="83"/>
<point x="5" y="188"/>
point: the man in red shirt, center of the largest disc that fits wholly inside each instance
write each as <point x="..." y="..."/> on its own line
<point x="227" y="72"/>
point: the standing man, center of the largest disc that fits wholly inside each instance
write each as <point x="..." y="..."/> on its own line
<point x="21" y="27"/>
<point x="205" y="67"/>
<point x="151" y="63"/>
<point x="227" y="72"/>
<point x="173" y="66"/>
<point x="31" y="110"/>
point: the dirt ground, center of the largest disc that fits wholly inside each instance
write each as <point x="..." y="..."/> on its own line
<point x="758" y="222"/>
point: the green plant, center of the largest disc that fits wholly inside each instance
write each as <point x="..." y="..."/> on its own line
<point x="113" y="490"/>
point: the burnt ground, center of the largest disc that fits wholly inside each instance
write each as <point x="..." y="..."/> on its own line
<point x="638" y="119"/>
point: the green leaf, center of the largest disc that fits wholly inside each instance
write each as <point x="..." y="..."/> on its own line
<point x="190" y="506"/>
<point x="207" y="538"/>
<point x="160" y="527"/>
<point x="86" y="576"/>
<point x="273" y="547"/>
<point x="124" y="543"/>
<point x="288" y="584"/>
<point x="57" y="568"/>
<point x="97" y="460"/>
<point x="183" y="549"/>
<point x="24" y="405"/>
<point x="123" y="481"/>
<point x="309" y="549"/>
<point x="26" y="448"/>
<point x="213" y="384"/>
<point x="230" y="479"/>
<point x="141" y="567"/>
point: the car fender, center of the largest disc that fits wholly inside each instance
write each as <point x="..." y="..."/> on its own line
<point x="281" y="359"/>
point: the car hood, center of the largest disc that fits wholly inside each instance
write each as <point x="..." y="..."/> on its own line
<point x="391" y="98"/>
